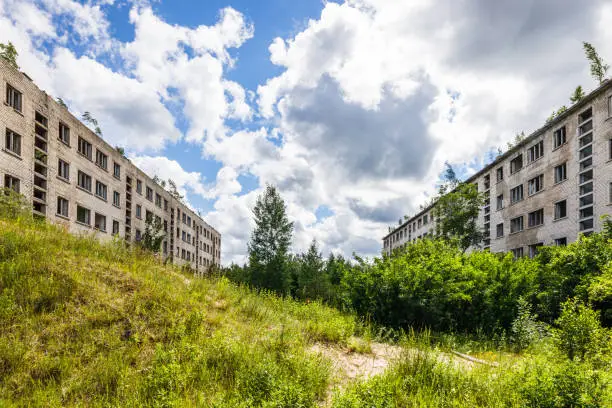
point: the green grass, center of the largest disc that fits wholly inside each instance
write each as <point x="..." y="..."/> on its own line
<point x="100" y="325"/>
<point x="82" y="323"/>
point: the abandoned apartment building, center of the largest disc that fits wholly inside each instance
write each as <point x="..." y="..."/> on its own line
<point x="547" y="190"/>
<point x="72" y="177"/>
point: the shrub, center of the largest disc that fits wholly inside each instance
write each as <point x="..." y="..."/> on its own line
<point x="525" y="329"/>
<point x="579" y="332"/>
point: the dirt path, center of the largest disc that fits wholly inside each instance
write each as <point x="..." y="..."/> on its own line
<point x="348" y="366"/>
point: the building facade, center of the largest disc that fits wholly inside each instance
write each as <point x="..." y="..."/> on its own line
<point x="547" y="190"/>
<point x="74" y="178"/>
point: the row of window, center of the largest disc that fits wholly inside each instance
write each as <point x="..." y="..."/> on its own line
<point x="151" y="195"/>
<point x="534" y="186"/>
<point x="534" y="219"/>
<point x="83" y="216"/>
<point x="535" y="248"/>
<point x="191" y="257"/>
<point x="85" y="149"/>
<point x="536" y="151"/>
<point x="84" y="181"/>
<point x="398" y="236"/>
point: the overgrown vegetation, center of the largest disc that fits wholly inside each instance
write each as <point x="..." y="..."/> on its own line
<point x="598" y="67"/>
<point x="90" y="324"/>
<point x="9" y="53"/>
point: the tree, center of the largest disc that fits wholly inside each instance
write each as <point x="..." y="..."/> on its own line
<point x="456" y="211"/>
<point x="9" y="53"/>
<point x="598" y="67"/>
<point x="577" y="95"/>
<point x="153" y="234"/>
<point x="518" y="138"/>
<point x="61" y="103"/>
<point x="313" y="282"/>
<point x="270" y="242"/>
<point x="173" y="190"/>
<point x="88" y="118"/>
<point x="121" y="150"/>
<point x="159" y="181"/>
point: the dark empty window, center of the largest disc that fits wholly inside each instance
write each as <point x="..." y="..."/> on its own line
<point x="13" y="98"/>
<point x="62" y="207"/>
<point x="516" y="164"/>
<point x="535" y="218"/>
<point x="84" y="181"/>
<point x="83" y="215"/>
<point x="84" y="148"/>
<point x="13" y="142"/>
<point x="12" y="183"/>
<point x="559" y="137"/>
<point x="64" y="133"/>
<point x="561" y="209"/>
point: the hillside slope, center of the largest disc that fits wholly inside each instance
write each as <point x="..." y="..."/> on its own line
<point x="86" y="324"/>
<point x="83" y="323"/>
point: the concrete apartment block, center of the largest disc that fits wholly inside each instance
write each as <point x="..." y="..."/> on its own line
<point x="550" y="188"/>
<point x="74" y="178"/>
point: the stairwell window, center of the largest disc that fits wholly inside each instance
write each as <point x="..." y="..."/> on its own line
<point x="138" y="211"/>
<point x="559" y="137"/>
<point x="139" y="187"/>
<point x="12" y="142"/>
<point x="116" y="199"/>
<point x="62" y="207"/>
<point x="117" y="171"/>
<point x="610" y="106"/>
<point x="13" y="98"/>
<point x="115" y="227"/>
<point x="560" y="173"/>
<point x="149" y="193"/>
<point x="536" y="151"/>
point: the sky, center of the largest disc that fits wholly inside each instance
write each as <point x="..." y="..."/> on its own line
<point x="350" y="108"/>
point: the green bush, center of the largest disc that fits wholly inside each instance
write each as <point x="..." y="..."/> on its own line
<point x="525" y="328"/>
<point x="579" y="334"/>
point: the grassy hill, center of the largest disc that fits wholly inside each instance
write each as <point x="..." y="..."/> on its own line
<point x="90" y="324"/>
<point x="83" y="323"/>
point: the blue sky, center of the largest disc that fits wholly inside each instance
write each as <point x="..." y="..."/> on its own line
<point x="351" y="108"/>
